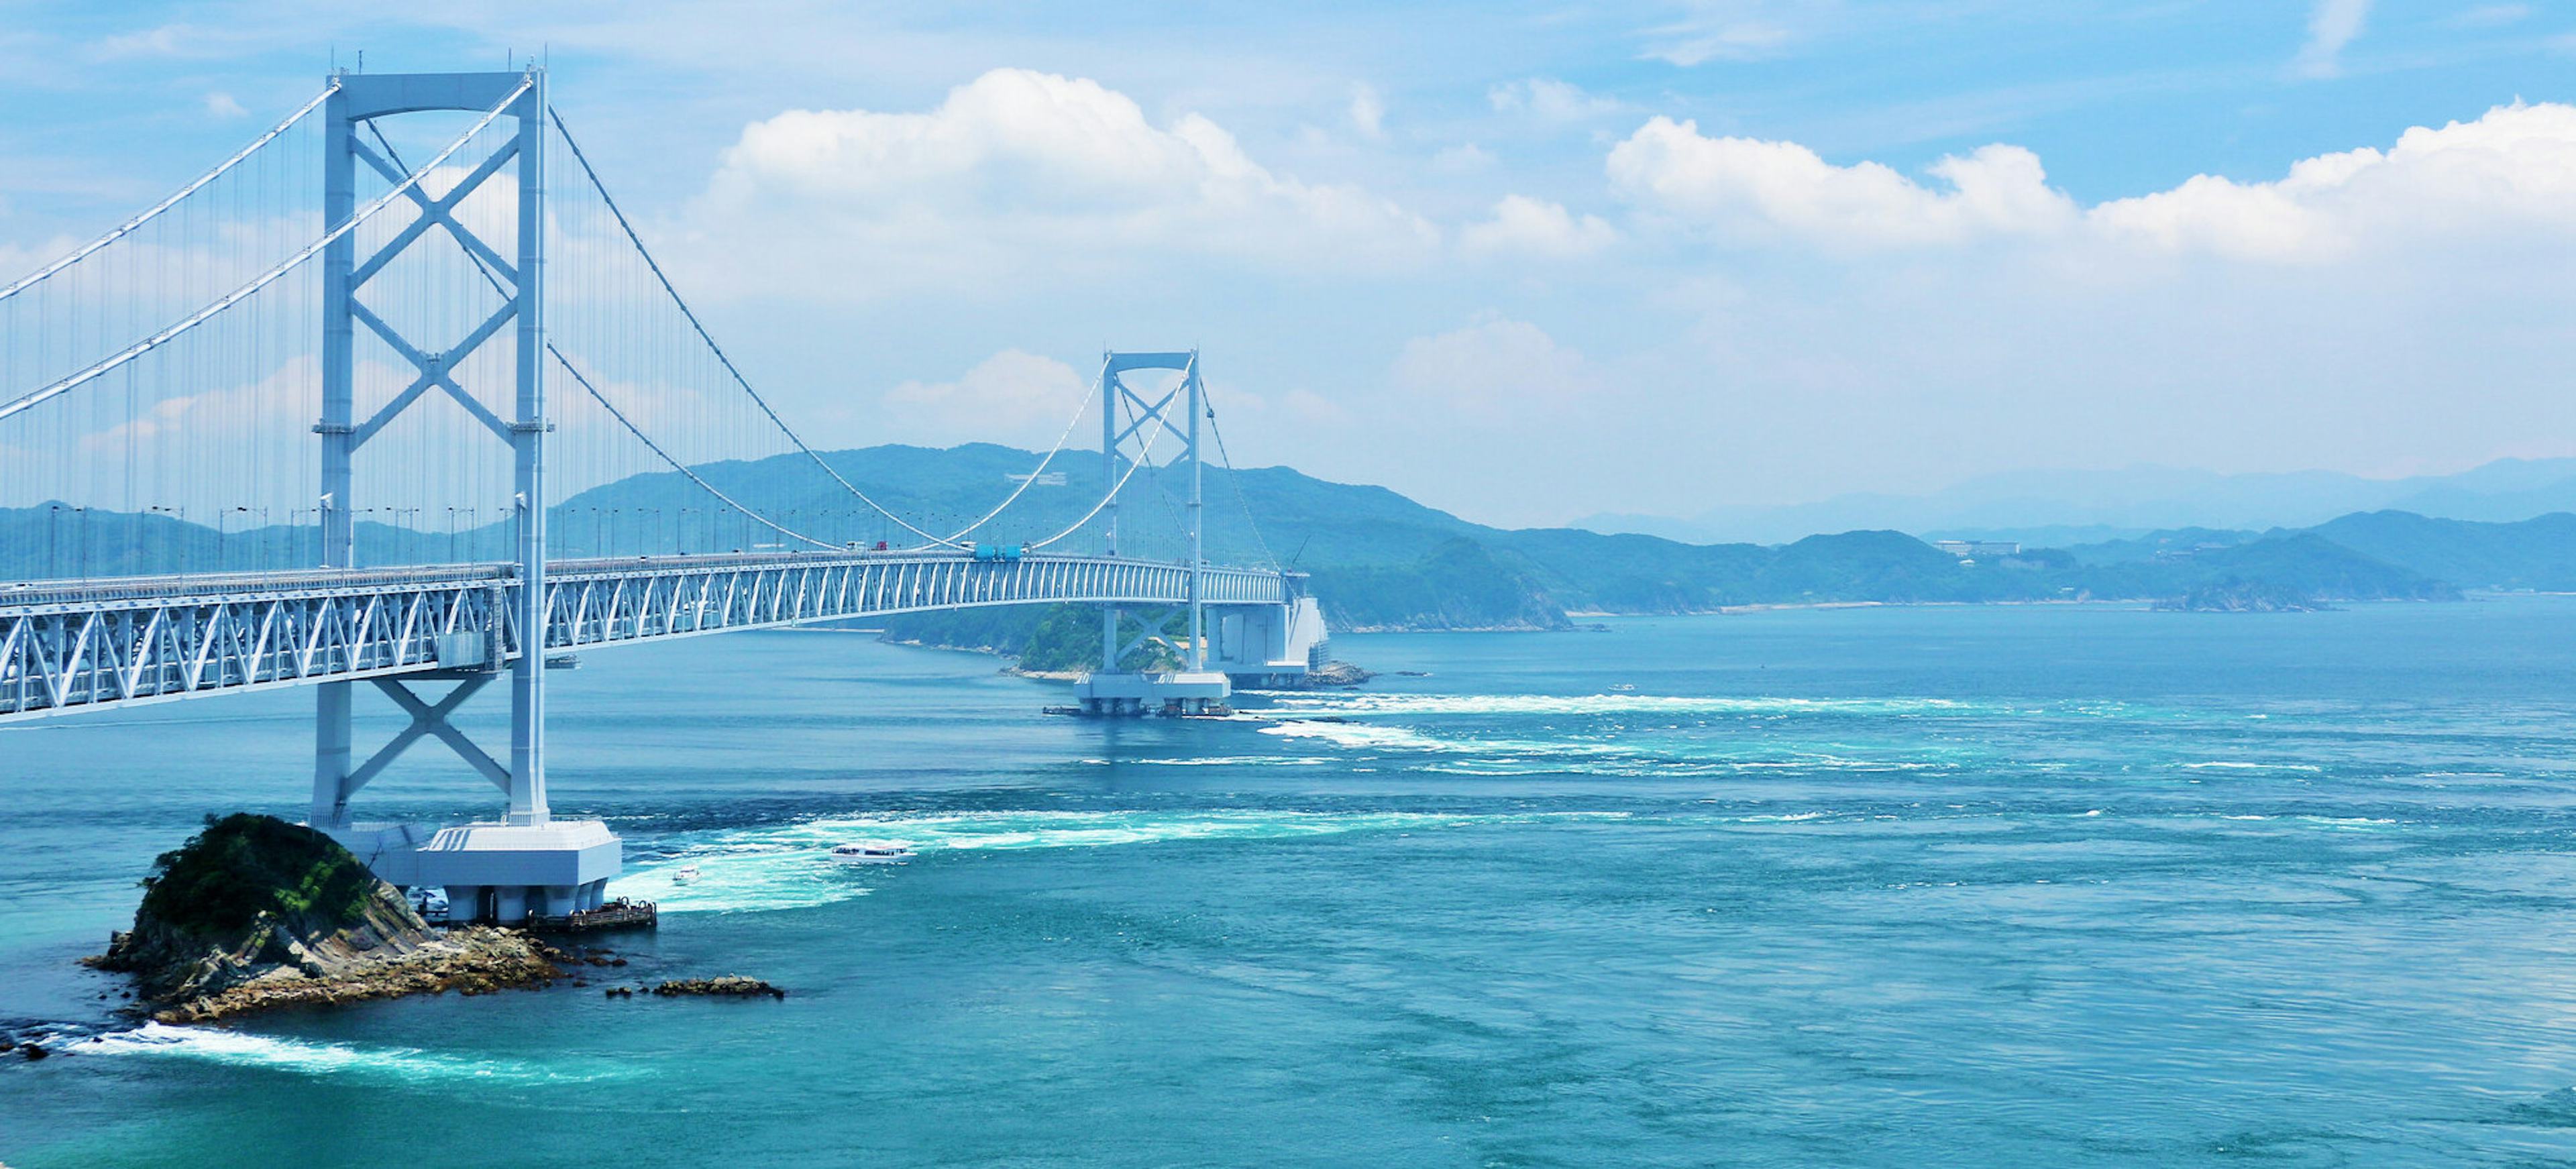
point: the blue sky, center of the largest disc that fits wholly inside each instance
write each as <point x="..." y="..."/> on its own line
<point x="1523" y="262"/>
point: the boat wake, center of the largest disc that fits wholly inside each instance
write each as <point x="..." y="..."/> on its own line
<point x="789" y="866"/>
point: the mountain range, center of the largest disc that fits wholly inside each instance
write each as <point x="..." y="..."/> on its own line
<point x="1381" y="560"/>
<point x="2058" y="508"/>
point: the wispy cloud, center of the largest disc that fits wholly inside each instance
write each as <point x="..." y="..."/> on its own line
<point x="1747" y="40"/>
<point x="2332" y="24"/>
<point x="1368" y="111"/>
<point x="1549" y="100"/>
<point x="2491" y="16"/>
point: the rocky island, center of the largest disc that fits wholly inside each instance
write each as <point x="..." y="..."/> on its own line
<point x="253" y="913"/>
<point x="2241" y="596"/>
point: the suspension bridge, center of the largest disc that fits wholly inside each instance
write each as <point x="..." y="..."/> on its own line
<point x="414" y="297"/>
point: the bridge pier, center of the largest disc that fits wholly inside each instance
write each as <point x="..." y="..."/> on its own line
<point x="1268" y="647"/>
<point x="528" y="862"/>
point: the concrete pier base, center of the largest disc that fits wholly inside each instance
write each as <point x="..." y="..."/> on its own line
<point x="495" y="872"/>
<point x="1140" y="694"/>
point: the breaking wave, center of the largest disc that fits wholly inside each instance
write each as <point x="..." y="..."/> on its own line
<point x="309" y="1057"/>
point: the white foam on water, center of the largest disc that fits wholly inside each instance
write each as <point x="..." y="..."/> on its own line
<point x="1508" y="757"/>
<point x="1471" y="704"/>
<point x="1365" y="736"/>
<point x="2243" y="765"/>
<point x="1224" y="761"/>
<point x="787" y="866"/>
<point x="315" y="1058"/>
<point x="2339" y="823"/>
<point x="746" y="878"/>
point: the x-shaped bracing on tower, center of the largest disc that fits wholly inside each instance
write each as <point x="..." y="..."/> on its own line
<point x="357" y="103"/>
<point x="435" y="368"/>
<point x="428" y="720"/>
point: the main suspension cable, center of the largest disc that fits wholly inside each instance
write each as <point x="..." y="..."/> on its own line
<point x="566" y="362"/>
<point x="264" y="279"/>
<point x="1234" y="479"/>
<point x="694" y="477"/>
<point x="739" y="380"/>
<point x="126" y="228"/>
<point x="1052" y="451"/>
<point x="1143" y="456"/>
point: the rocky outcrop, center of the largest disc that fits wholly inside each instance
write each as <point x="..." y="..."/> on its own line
<point x="1339" y="673"/>
<point x="255" y="913"/>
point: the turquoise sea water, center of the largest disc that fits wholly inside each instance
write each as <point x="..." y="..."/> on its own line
<point x="2055" y="885"/>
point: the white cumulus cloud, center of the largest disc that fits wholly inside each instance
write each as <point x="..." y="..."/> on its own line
<point x="1022" y="173"/>
<point x="1756" y="189"/>
<point x="1523" y="225"/>
<point x="2513" y="168"/>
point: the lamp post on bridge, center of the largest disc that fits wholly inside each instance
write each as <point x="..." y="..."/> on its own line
<point x="222" y="515"/>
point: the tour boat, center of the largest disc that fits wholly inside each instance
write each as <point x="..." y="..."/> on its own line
<point x="885" y="852"/>
<point x="687" y="874"/>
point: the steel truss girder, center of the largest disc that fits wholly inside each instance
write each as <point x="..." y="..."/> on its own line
<point x="92" y="645"/>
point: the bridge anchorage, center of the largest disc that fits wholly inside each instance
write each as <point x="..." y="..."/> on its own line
<point x="186" y="365"/>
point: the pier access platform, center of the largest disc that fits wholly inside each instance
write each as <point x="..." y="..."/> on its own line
<point x="507" y="873"/>
<point x="1178" y="692"/>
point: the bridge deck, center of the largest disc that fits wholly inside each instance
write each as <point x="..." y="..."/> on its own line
<point x="77" y="645"/>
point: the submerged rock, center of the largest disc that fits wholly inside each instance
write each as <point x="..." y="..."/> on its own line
<point x="254" y="913"/>
<point x="733" y="985"/>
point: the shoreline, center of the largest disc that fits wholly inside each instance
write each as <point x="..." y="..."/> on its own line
<point x="471" y="960"/>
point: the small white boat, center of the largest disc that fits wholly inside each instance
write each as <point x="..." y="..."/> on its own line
<point x="877" y="852"/>
<point x="688" y="874"/>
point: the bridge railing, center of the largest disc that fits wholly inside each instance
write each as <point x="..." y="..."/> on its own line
<point x="69" y="645"/>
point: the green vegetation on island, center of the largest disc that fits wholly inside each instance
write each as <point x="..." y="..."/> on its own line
<point x="244" y="868"/>
<point x="254" y="913"/>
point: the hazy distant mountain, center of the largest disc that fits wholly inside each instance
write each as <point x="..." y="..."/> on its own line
<point x="1382" y="560"/>
<point x="2125" y="503"/>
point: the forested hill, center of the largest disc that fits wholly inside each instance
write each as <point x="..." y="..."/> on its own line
<point x="1380" y="559"/>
